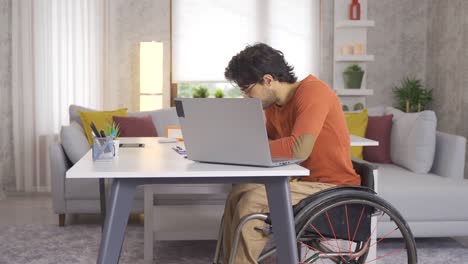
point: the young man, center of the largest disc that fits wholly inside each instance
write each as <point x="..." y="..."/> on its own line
<point x="304" y="120"/>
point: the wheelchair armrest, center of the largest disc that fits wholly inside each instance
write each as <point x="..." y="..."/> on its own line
<point x="366" y="172"/>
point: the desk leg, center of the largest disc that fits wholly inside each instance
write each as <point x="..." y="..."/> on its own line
<point x="279" y="200"/>
<point x="120" y="201"/>
<point x="102" y="198"/>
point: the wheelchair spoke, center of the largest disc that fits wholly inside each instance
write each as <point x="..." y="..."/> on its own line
<point x="358" y="223"/>
<point x="384" y="236"/>
<point x="325" y="240"/>
<point x="375" y="228"/>
<point x="347" y="228"/>
<point x="333" y="231"/>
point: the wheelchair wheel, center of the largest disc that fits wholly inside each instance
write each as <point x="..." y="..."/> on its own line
<point x="338" y="229"/>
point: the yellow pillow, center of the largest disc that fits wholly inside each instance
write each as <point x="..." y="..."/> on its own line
<point x="357" y="125"/>
<point x="100" y="119"/>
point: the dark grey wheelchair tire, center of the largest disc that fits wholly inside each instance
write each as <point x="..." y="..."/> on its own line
<point x="339" y="198"/>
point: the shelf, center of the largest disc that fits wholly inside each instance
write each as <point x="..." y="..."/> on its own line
<point x="354" y="92"/>
<point x="355" y="58"/>
<point x="355" y="24"/>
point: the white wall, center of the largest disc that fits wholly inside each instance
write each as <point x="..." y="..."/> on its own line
<point x="132" y="22"/>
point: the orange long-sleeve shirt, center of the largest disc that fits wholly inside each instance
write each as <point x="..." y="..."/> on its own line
<point x="312" y="125"/>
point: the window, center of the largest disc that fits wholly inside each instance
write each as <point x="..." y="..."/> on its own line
<point x="206" y="34"/>
<point x="188" y="89"/>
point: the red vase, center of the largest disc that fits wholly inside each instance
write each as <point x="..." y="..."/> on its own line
<point x="355" y="10"/>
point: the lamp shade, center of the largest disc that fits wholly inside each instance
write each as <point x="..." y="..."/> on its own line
<point x="151" y="75"/>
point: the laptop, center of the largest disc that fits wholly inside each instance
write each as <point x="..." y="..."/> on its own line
<point x="226" y="130"/>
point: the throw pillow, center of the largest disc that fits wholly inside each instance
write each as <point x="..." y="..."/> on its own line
<point x="413" y="139"/>
<point x="74" y="142"/>
<point x="73" y="110"/>
<point x="379" y="128"/>
<point x="357" y="124"/>
<point x="161" y="119"/>
<point x="132" y="126"/>
<point x="100" y="118"/>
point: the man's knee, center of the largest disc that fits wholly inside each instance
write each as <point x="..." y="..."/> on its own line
<point x="252" y="202"/>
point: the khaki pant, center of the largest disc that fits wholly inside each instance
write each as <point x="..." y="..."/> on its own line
<point x="246" y="199"/>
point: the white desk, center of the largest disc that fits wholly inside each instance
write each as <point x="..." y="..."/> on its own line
<point x="158" y="163"/>
<point x="360" y="141"/>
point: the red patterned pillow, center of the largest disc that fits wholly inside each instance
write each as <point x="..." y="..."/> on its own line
<point x="379" y="128"/>
<point x="133" y="126"/>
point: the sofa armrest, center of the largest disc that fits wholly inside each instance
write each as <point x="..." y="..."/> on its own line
<point x="449" y="158"/>
<point x="59" y="164"/>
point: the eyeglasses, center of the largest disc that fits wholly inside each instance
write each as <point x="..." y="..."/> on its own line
<point x="246" y="90"/>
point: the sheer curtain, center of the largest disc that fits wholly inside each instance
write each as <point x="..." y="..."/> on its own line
<point x="206" y="34"/>
<point x="57" y="61"/>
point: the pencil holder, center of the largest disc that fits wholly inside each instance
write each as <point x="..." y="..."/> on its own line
<point x="103" y="148"/>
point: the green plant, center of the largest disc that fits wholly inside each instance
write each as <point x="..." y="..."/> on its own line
<point x="200" y="92"/>
<point x="352" y="76"/>
<point x="219" y="93"/>
<point x="112" y="129"/>
<point x="411" y="95"/>
<point x="353" y="68"/>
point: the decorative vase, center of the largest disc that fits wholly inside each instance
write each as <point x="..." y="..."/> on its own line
<point x="358" y="107"/>
<point x="353" y="80"/>
<point x="355" y="10"/>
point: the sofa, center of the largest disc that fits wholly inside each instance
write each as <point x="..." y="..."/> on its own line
<point x="433" y="203"/>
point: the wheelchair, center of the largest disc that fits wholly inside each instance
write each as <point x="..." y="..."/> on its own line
<point x="335" y="226"/>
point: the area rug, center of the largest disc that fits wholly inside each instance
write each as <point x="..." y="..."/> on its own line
<point x="50" y="244"/>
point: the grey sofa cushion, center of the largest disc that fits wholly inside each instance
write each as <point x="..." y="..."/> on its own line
<point x="74" y="142"/>
<point x="75" y="116"/>
<point x="161" y="119"/>
<point x="413" y="139"/>
<point x="423" y="197"/>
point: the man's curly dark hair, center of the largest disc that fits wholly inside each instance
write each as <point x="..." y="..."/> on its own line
<point x="251" y="64"/>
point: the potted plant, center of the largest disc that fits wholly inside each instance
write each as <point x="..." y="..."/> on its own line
<point x="219" y="93"/>
<point x="411" y="95"/>
<point x="113" y="130"/>
<point x="353" y="76"/>
<point x="200" y="92"/>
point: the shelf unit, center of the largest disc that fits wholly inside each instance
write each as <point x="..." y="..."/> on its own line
<point x="355" y="23"/>
<point x="354" y="58"/>
<point x="350" y="32"/>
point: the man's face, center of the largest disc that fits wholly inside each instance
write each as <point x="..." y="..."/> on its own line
<point x="260" y="91"/>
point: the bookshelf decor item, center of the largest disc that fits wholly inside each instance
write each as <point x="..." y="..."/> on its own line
<point x="353" y="77"/>
<point x="355" y="10"/>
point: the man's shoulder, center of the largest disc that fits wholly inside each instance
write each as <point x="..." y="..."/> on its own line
<point x="312" y="88"/>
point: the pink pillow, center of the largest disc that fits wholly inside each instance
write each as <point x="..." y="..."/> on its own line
<point x="379" y="129"/>
<point x="136" y="126"/>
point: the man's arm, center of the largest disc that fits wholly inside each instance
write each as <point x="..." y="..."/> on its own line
<point x="311" y="114"/>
